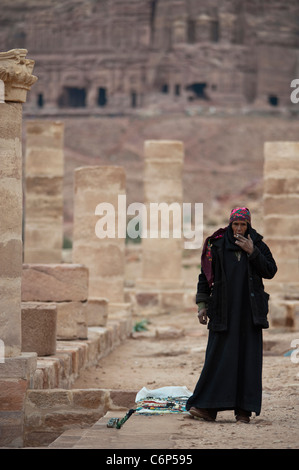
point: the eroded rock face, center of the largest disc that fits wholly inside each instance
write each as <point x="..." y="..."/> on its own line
<point x="119" y="55"/>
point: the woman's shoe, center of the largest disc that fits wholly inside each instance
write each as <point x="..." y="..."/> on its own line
<point x="242" y="416"/>
<point x="202" y="413"/>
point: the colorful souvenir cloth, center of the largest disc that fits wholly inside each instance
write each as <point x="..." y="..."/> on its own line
<point x="162" y="401"/>
<point x="206" y="257"/>
<point x="159" y="406"/>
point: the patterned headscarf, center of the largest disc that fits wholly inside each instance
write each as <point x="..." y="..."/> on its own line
<point x="240" y="213"/>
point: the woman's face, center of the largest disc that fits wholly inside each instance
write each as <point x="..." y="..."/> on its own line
<point x="239" y="227"/>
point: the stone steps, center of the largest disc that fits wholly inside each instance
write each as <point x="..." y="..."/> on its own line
<point x="51" y="406"/>
<point x="61" y="369"/>
<point x="139" y="432"/>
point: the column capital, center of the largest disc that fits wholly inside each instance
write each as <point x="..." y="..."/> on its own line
<point x="16" y="73"/>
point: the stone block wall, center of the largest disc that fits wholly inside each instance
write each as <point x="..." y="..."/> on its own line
<point x="50" y="412"/>
<point x="64" y="286"/>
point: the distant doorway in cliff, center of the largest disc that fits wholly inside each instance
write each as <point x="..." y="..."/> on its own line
<point x="198" y="90"/>
<point x="102" y="97"/>
<point x="273" y="100"/>
<point x="191" y="31"/>
<point x="133" y="99"/>
<point x="72" y="97"/>
<point x="40" y="100"/>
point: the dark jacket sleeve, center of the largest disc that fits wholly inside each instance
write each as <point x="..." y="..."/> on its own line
<point x="203" y="289"/>
<point x="263" y="261"/>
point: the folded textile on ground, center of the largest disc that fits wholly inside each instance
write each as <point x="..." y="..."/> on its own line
<point x="162" y="400"/>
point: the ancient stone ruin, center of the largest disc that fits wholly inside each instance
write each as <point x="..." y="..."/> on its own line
<point x="161" y="286"/>
<point x="43" y="302"/>
<point x="16" y="368"/>
<point x="281" y="225"/>
<point x="56" y="317"/>
<point x="44" y="172"/>
<point x="112" y="56"/>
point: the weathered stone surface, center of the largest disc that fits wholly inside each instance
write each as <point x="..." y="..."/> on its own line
<point x="90" y="398"/>
<point x="97" y="311"/>
<point x="10" y="254"/>
<point x="123" y="398"/>
<point x="147" y="298"/>
<point x="12" y="394"/>
<point x="162" y="257"/>
<point x="54" y="283"/>
<point x="39" y="325"/>
<point x="12" y="404"/>
<point x="47" y="399"/>
<point x="281" y="226"/>
<point x="169" y="332"/>
<point x="286" y="204"/>
<point x="16" y="72"/>
<point x="44" y="170"/>
<point x="104" y="257"/>
<point x="50" y="412"/>
<point x="16" y="78"/>
<point x="282" y="313"/>
<point x="11" y="225"/>
<point x="71" y="320"/>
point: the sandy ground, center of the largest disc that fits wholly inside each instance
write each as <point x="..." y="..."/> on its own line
<point x="172" y="352"/>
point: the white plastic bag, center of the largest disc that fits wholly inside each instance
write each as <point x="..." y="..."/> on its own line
<point x="163" y="392"/>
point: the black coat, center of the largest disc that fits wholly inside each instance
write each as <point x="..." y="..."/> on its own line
<point x="260" y="265"/>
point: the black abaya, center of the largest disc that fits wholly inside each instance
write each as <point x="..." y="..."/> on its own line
<point x="232" y="374"/>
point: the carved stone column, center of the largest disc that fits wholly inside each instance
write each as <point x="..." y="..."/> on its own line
<point x="15" y="72"/>
<point x="103" y="257"/>
<point x="15" y="368"/>
<point x="160" y="289"/>
<point x="281" y="229"/>
<point x="162" y="257"/>
<point x="44" y="192"/>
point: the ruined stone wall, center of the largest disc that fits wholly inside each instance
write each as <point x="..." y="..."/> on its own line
<point x="116" y="55"/>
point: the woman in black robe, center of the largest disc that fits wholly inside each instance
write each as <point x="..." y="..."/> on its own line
<point x="230" y="293"/>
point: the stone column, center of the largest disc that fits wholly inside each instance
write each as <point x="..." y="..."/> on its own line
<point x="15" y="368"/>
<point x="104" y="257"/>
<point x="162" y="257"/>
<point x="44" y="192"/>
<point x="281" y="227"/>
<point x="15" y="71"/>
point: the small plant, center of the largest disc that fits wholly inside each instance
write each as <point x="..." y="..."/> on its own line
<point x="141" y="325"/>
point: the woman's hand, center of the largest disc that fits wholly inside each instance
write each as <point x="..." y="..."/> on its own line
<point x="245" y="243"/>
<point x="202" y="316"/>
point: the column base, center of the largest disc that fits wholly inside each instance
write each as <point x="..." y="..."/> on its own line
<point x="16" y="375"/>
